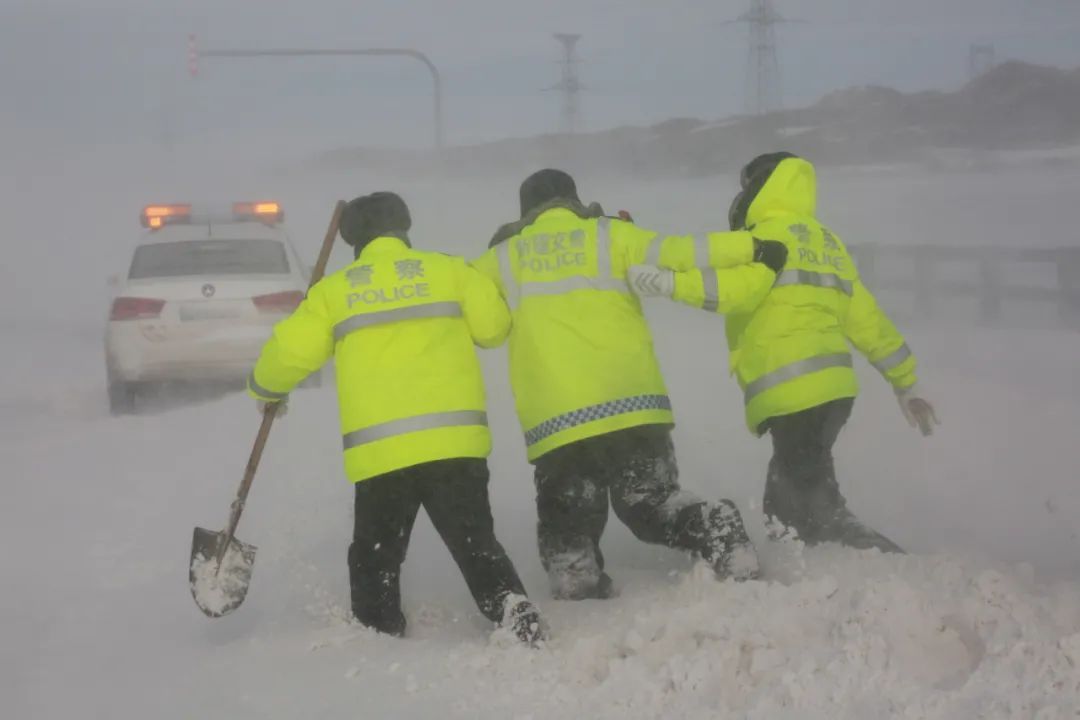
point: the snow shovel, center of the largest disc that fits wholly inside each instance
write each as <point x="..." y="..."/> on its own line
<point x="221" y="565"/>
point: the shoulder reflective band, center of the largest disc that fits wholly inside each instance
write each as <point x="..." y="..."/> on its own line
<point x="603" y="248"/>
<point x="502" y="250"/>
<point x="263" y="392"/>
<point x="793" y="371"/>
<point x="595" y="412"/>
<point x="893" y="360"/>
<point x="711" y="282"/>
<point x="808" y="277"/>
<point x="416" y="423"/>
<point x="413" y="312"/>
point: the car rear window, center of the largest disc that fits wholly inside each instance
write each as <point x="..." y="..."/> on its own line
<point x="209" y="257"/>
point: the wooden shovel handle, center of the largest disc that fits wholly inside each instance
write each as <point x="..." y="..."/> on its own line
<point x="271" y="409"/>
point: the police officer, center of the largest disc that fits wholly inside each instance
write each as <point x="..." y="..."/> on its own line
<point x="791" y="355"/>
<point x="401" y="324"/>
<point x="590" y="397"/>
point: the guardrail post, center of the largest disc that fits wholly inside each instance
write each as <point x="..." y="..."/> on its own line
<point x="1068" y="276"/>
<point x="990" y="290"/>
<point x="924" y="282"/>
<point x="864" y="256"/>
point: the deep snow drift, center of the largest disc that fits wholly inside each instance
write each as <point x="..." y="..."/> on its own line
<point x="982" y="620"/>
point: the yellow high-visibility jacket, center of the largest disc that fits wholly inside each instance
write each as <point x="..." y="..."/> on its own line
<point x="790" y="352"/>
<point x="401" y="324"/>
<point x="581" y="355"/>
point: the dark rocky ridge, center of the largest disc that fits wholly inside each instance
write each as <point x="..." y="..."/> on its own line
<point x="1015" y="106"/>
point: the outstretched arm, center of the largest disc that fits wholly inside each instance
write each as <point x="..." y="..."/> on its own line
<point x="684" y="252"/>
<point x="300" y="345"/>
<point x="734" y="290"/>
<point x="871" y="331"/>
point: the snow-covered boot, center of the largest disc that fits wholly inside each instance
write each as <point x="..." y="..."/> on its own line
<point x="522" y="618"/>
<point x="376" y="601"/>
<point x="847" y="529"/>
<point x="605" y="588"/>
<point x="730" y="551"/>
<point x="818" y="512"/>
<point x="574" y="574"/>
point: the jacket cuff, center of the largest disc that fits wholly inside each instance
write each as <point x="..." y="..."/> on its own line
<point x="906" y="385"/>
<point x="258" y="392"/>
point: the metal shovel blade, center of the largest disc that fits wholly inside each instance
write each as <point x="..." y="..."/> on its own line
<point x="219" y="591"/>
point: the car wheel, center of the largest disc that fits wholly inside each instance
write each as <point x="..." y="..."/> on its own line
<point x="121" y="397"/>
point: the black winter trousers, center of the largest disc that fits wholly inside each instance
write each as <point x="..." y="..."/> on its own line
<point x="801" y="490"/>
<point x="802" y="448"/>
<point x="454" y="493"/>
<point x="636" y="467"/>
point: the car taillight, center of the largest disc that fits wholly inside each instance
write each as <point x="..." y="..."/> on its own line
<point x="135" y="308"/>
<point x="282" y="302"/>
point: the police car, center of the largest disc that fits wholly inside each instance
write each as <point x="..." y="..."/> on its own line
<point x="202" y="292"/>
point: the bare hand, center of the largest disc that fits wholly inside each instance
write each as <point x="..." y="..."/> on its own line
<point x="918" y="411"/>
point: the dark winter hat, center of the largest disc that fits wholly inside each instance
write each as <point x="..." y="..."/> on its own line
<point x="544" y="186"/>
<point x="368" y="217"/>
<point x="753" y="177"/>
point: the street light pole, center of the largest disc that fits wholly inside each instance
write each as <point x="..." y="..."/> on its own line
<point x="400" y="52"/>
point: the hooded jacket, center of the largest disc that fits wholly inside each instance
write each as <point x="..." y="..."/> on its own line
<point x="791" y="352"/>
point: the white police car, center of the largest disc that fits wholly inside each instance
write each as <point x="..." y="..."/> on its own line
<point x="202" y="292"/>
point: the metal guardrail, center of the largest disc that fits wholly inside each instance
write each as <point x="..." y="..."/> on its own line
<point x="994" y="284"/>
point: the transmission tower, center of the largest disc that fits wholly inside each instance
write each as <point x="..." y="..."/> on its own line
<point x="981" y="58"/>
<point x="569" y="85"/>
<point x="762" y="92"/>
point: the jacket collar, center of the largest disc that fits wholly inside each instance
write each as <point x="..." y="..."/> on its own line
<point x="384" y="244"/>
<point x="511" y="229"/>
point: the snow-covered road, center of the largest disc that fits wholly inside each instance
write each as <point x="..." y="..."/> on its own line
<point x="96" y="514"/>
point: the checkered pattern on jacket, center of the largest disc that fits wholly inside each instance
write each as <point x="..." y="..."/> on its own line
<point x="595" y="412"/>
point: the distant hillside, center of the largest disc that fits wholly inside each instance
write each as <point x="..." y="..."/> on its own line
<point x="1015" y="106"/>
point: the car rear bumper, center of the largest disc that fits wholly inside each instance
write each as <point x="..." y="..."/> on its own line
<point x="144" y="352"/>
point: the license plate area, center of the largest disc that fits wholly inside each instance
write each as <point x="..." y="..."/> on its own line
<point x="209" y="311"/>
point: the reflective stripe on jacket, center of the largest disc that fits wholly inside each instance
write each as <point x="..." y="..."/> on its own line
<point x="581" y="355"/>
<point x="400" y="324"/>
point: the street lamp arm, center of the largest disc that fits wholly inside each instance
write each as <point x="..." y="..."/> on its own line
<point x="304" y="52"/>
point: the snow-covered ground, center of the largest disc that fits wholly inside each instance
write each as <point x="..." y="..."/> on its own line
<point x="982" y="620"/>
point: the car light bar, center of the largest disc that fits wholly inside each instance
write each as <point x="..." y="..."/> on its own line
<point x="268" y="212"/>
<point x="156" y="217"/>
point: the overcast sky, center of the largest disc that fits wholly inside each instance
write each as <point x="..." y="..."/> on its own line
<point x="112" y="69"/>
